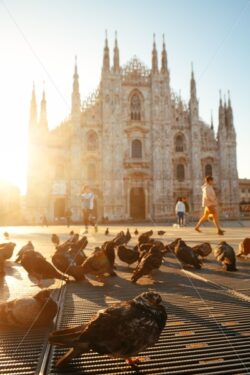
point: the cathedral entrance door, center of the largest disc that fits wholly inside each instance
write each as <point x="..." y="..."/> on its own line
<point x="137" y="203"/>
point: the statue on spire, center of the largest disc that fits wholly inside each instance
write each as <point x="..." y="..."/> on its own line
<point x="75" y="97"/>
<point x="154" y="58"/>
<point x="193" y="101"/>
<point x="116" y="65"/>
<point x="164" y="61"/>
<point x="33" y="108"/>
<point x="43" y="122"/>
<point x="106" y="61"/>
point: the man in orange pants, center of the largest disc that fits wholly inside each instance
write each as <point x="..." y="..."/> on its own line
<point x="210" y="204"/>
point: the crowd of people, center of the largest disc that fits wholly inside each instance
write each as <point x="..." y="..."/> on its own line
<point x="209" y="204"/>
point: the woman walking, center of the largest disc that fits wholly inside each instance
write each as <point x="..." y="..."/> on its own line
<point x="210" y="204"/>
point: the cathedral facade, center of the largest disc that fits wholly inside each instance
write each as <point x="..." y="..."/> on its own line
<point x="136" y="144"/>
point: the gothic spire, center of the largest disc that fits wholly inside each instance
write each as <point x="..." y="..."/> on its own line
<point x="229" y="112"/>
<point x="43" y="123"/>
<point x="193" y="101"/>
<point x="192" y="85"/>
<point x="221" y="114"/>
<point x="164" y="61"/>
<point x="220" y="105"/>
<point x="33" y="108"/>
<point x="106" y="63"/>
<point x="154" y="58"/>
<point x="116" y="64"/>
<point x="229" y="99"/>
<point x="212" y="121"/>
<point x="75" y="97"/>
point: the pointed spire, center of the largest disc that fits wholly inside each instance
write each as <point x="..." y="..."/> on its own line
<point x="222" y="114"/>
<point x="75" y="97"/>
<point x="229" y="99"/>
<point x="229" y="113"/>
<point x="220" y="98"/>
<point x="212" y="121"/>
<point x="225" y="102"/>
<point x="116" y="64"/>
<point x="164" y="61"/>
<point x="192" y="84"/>
<point x="154" y="58"/>
<point x="43" y="122"/>
<point x="193" y="101"/>
<point x="33" y="108"/>
<point x="106" y="61"/>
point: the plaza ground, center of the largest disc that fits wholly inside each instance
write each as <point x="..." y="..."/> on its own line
<point x="208" y="328"/>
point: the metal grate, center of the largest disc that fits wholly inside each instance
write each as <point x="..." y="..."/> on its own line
<point x="22" y="351"/>
<point x="208" y="330"/>
<point x="19" y="355"/>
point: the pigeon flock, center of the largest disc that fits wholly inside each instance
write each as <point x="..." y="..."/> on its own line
<point x="109" y="332"/>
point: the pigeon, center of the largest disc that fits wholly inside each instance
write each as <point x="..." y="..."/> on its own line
<point x="127" y="255"/>
<point x="98" y="264"/>
<point x="71" y="242"/>
<point x="76" y="250"/>
<point x="225" y="254"/>
<point x="127" y="236"/>
<point x="186" y="255"/>
<point x="144" y="237"/>
<point x="74" y="237"/>
<point x="109" y="246"/>
<point x="170" y="247"/>
<point x="68" y="259"/>
<point x="66" y="264"/>
<point x="161" y="232"/>
<point x="2" y="272"/>
<point x="29" y="312"/>
<point x="6" y="250"/>
<point x="136" y="232"/>
<point x="6" y="235"/>
<point x="119" y="239"/>
<point x="55" y="239"/>
<point x="121" y="331"/>
<point x="244" y="247"/>
<point x="144" y="248"/>
<point x="109" y="249"/>
<point x="203" y="249"/>
<point x="28" y="247"/>
<point x="150" y="261"/>
<point x="37" y="266"/>
<point x="107" y="232"/>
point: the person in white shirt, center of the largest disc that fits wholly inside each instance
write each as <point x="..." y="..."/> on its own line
<point x="180" y="210"/>
<point x="87" y="197"/>
<point x="210" y="204"/>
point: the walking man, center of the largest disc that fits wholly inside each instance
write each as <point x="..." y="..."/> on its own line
<point x="210" y="204"/>
<point x="180" y="209"/>
<point x="87" y="197"/>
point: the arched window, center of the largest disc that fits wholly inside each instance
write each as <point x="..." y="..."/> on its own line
<point x="135" y="107"/>
<point x="179" y="143"/>
<point x="59" y="171"/>
<point x="91" y="172"/>
<point x="136" y="148"/>
<point x="208" y="170"/>
<point x="92" y="141"/>
<point x="180" y="172"/>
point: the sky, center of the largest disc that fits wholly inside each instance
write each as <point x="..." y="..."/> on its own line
<point x="39" y="40"/>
